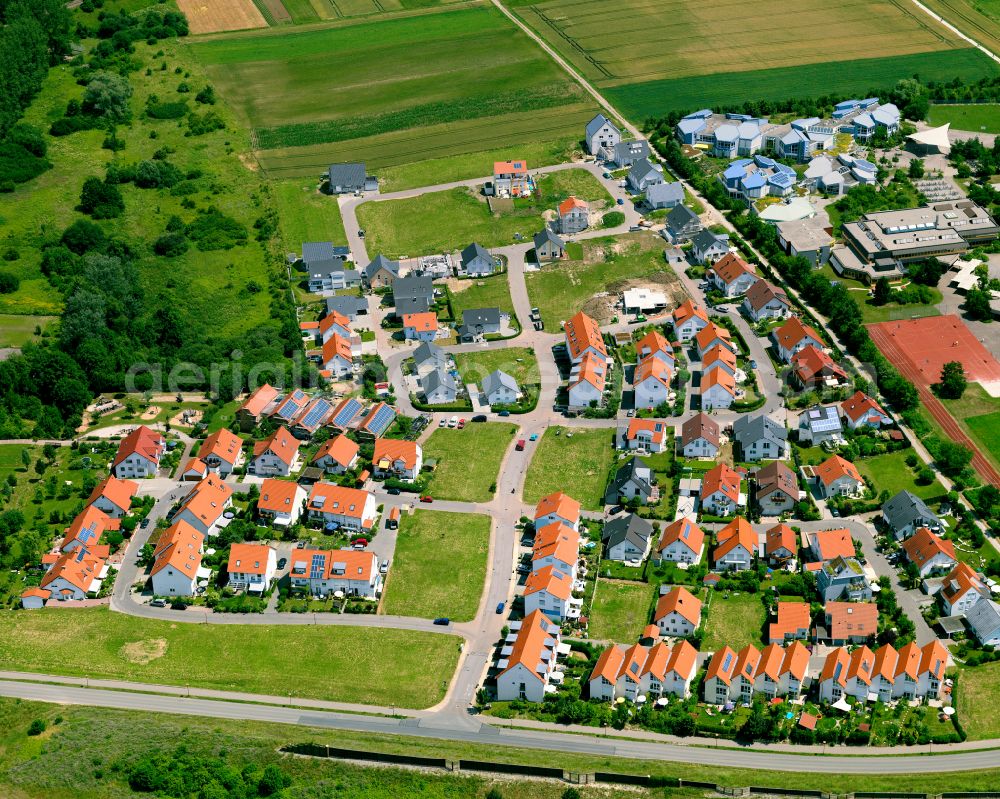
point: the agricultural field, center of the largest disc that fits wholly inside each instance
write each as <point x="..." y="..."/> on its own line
<point x="441" y="222"/>
<point x="519" y="362"/>
<point x="983" y="118"/>
<point x="461" y="477"/>
<point x="576" y="461"/>
<point x="592" y="282"/>
<point x="439" y="567"/>
<point x="620" y="611"/>
<point x="393" y="107"/>
<point x="979" y="19"/>
<point x="221" y="15"/>
<point x="314" y="662"/>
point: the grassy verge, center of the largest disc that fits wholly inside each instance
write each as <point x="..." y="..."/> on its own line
<point x="619" y="611"/>
<point x="488" y="292"/>
<point x="439" y="566"/>
<point x="468" y="461"/>
<point x="314" y="662"/>
<point x="577" y="463"/>
<point x="735" y="621"/>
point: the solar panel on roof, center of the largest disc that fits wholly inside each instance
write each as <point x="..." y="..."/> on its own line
<point x="836" y="672"/>
<point x="728" y="661"/>
<point x="88" y="532"/>
<point x="316" y="567"/>
<point x="380" y="422"/>
<point x="319" y="410"/>
<point x="80" y="554"/>
<point x="351" y="409"/>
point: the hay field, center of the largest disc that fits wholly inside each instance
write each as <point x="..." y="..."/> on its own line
<point x="639" y="40"/>
<point x="212" y="16"/>
<point x="979" y="19"/>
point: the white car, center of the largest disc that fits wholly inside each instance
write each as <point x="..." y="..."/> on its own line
<point x="443" y="422"/>
<point x="453" y="421"/>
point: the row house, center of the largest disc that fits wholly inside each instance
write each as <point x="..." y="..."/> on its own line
<point x="910" y="673"/>
<point x="635" y="671"/>
<point x="737" y="677"/>
<point x="527" y="659"/>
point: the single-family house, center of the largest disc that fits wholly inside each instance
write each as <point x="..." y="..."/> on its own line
<point x="420" y="326"/>
<point x="766" y="301"/>
<point x="633" y="480"/>
<point x="792" y="623"/>
<point x="428" y="357"/>
<point x="813" y="368"/>
<point x="337" y="455"/>
<point x="642" y="175"/>
<point x="625" y="153"/>
<point x="681" y="225"/>
<point x="176" y="560"/>
<point x="337" y="357"/>
<point x="718" y="389"/>
<point x="682" y="541"/>
<point x="601" y="133"/>
<point x="548" y="246"/>
<point x="275" y="456"/>
<point x="499" y="388"/>
<point x="256" y="406"/>
<point x="326" y="267"/>
<point x="557" y="507"/>
<point x="113" y="496"/>
<point x="574" y="216"/>
<point x="139" y="454"/>
<point x="480" y="322"/>
<point x="929" y="552"/>
<point x="732" y="275"/>
<point x="280" y="502"/>
<point x="627" y="538"/>
<point x="720" y="491"/>
<point x="983" y="619"/>
<point x="381" y="272"/>
<point x="651" y="381"/>
<point x="205" y="505"/>
<point x="708" y="247"/>
<point x="350" y="508"/>
<point x="827" y="545"/>
<point x="818" y="424"/>
<point x="397" y="458"/>
<point x="413" y="294"/>
<point x="87" y="529"/>
<point x="251" y="567"/>
<point x="760" y="438"/>
<point x="838" y="477"/>
<point x="777" y="489"/>
<point x="860" y="410"/>
<point x="848" y="623"/>
<point x="792" y="336"/>
<point x="689" y="319"/>
<point x="651" y="435"/>
<point x="962" y="589"/>
<point x="527" y="664"/>
<point x="664" y="195"/>
<point x="350" y="178"/>
<point x="906" y="513"/>
<point x="349" y="305"/>
<point x="678" y="612"/>
<point x="74" y="575"/>
<point x="323" y="572"/>
<point x="222" y="452"/>
<point x="550" y="591"/>
<point x="477" y="261"/>
<point x="511" y="178"/>
<point x="700" y="437"/>
<point x="781" y="545"/>
<point x="736" y="546"/>
<point x="439" y="387"/>
<point x="843" y="578"/>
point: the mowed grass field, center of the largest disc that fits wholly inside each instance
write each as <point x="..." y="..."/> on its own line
<point x="890" y="473"/>
<point x="361" y="91"/>
<point x="983" y="118"/>
<point x="306" y="215"/>
<point x="577" y="464"/>
<point x="978" y="690"/>
<point x="439" y="567"/>
<point x="468" y="461"/>
<point x="311" y="661"/>
<point x="620" y="611"/>
<point x="16" y="330"/>
<point x="519" y="362"/>
<point x="734" y="622"/>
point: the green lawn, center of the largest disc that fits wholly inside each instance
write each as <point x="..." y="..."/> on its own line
<point x="606" y="266"/>
<point x="440" y="222"/>
<point x="307" y="215"/>
<point x="468" y="461"/>
<point x="557" y="186"/>
<point x="872" y="314"/>
<point x="734" y="622"/>
<point x="310" y="661"/>
<point x="620" y="611"/>
<point x="890" y="473"/>
<point x="576" y="461"/>
<point x="978" y="692"/>
<point x="986" y="431"/>
<point x="487" y="292"/>
<point x="17" y="330"/>
<point x="977" y="118"/>
<point x="519" y="362"/>
<point x="439" y="567"/>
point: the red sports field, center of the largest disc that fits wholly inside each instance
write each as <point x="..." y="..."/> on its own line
<point x="919" y="348"/>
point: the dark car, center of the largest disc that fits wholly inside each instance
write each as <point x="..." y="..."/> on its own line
<point x="393" y="491"/>
<point x="282" y="562"/>
<point x="479" y="418"/>
<point x="501" y="606"/>
<point x="444" y="621"/>
<point x="505" y="414"/>
<point x="144" y="523"/>
<point x="616" y="509"/>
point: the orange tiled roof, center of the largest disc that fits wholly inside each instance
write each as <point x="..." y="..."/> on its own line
<point x="551" y="581"/>
<point x="142" y="441"/>
<point x="179" y="546"/>
<point x="248" y="558"/>
<point x="561" y="504"/>
<point x="570" y="204"/>
<point x="721" y="478"/>
<point x="582" y="332"/>
<point x="923" y="545"/>
<point x="119" y="492"/>
<point x="337" y="346"/>
<point x="277" y="496"/>
<point x="792" y="617"/>
<point x="423" y="322"/>
<point x="79" y="568"/>
<point x="860" y="404"/>
<point x="781" y="536"/>
<point x="831" y="544"/>
<point x="656" y="428"/>
<point x="281" y="443"/>
<point x="681" y="601"/>
<point x="850" y="619"/>
<point x="835" y="467"/>
<point x="223" y="444"/>
<point x="329" y="498"/>
<point x="530" y="643"/>
<point x="340" y="449"/>
<point x="683" y="530"/>
<point x="393" y="450"/>
<point x="207" y="500"/>
<point x="686" y="310"/>
<point x="793" y="331"/>
<point x="259" y="400"/>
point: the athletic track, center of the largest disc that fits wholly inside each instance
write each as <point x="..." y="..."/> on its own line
<point x="951" y="428"/>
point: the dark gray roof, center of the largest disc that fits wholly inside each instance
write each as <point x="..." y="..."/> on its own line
<point x="906" y="508"/>
<point x="413" y="287"/>
<point x="352" y="174"/>
<point x="680" y="216"/>
<point x="412" y="305"/>
<point x="631" y="527"/>
<point x="747" y="430"/>
<point x="348" y="306"/>
<point x="473" y="251"/>
<point x="597" y="123"/>
<point x="317" y="251"/>
<point x="546" y="235"/>
<point x="630" y="150"/>
<point x="630" y="472"/>
<point x="381" y="262"/>
<point x="642" y="169"/>
<point x="438" y="378"/>
<point x="665" y="192"/>
<point x="429" y="352"/>
<point x="480" y="317"/>
<point x="498" y="379"/>
<point x="329" y="265"/>
<point x="821" y="419"/>
<point x="706" y="238"/>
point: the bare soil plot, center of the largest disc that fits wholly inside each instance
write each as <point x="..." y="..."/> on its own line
<point x="212" y="16"/>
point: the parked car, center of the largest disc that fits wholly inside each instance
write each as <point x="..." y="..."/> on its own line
<point x="533" y="437"/>
<point x="479" y="418"/>
<point x="753" y="364"/>
<point x="620" y="201"/>
<point x="384" y="568"/>
<point x="144" y="523"/>
<point x="362" y="541"/>
<point x="461" y="423"/>
<point x="282" y="562"/>
<point x="426" y="498"/>
<point x="616" y="509"/>
<point x="453" y="421"/>
<point x="361" y="234"/>
<point x="444" y="621"/>
<point x="523" y="569"/>
<point x="500" y="606"/>
<point x="158" y="603"/>
<point x="504" y="413"/>
<point x="443" y="422"/>
<point x="393" y="491"/>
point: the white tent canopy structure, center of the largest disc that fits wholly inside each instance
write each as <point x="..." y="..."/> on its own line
<point x="933" y="138"/>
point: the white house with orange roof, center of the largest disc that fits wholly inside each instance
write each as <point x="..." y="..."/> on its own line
<point x="87" y="529"/>
<point x="256" y="406"/>
<point x="397" y="458"/>
<point x="275" y="456"/>
<point x="422" y="326"/>
<point x="337" y="455"/>
<point x="713" y="335"/>
<point x="139" y="454"/>
<point x="719" y="357"/>
<point x="280" y="502"/>
<point x="736" y="546"/>
<point x="587" y="380"/>
<point x="337" y="356"/>
<point x="349" y="508"/>
<point x="720" y="491"/>
<point x="792" y="336"/>
<point x="556" y="545"/>
<point x="34" y="598"/>
<point x="574" y="216"/>
<point x="584" y="336"/>
<point x="557" y="507"/>
<point x="222" y="452"/>
<point x="323" y="572"/>
<point x="827" y="545"/>
<point x="912" y="672"/>
<point x="961" y="589"/>
<point x="176" y="560"/>
<point x="732" y="275"/>
<point x="689" y="319"/>
<point x="113" y="496"/>
<point x="837" y="477"/>
<point x="678" y="612"/>
<point x="929" y="552"/>
<point x="654" y="345"/>
<point x="74" y="575"/>
<point x="718" y="389"/>
<point x="251" y="567"/>
<point x="720" y="675"/>
<point x="651" y="435"/>
<point x="860" y="410"/>
<point x="527" y="659"/>
<point x="551" y="591"/>
<point x="205" y="505"/>
<point x="511" y="178"/>
<point x="335" y="324"/>
<point x="651" y="381"/>
<point x="682" y="541"/>
<point x="653" y="672"/>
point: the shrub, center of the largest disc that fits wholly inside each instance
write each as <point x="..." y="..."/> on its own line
<point x="167" y="110"/>
<point x="213" y="230"/>
<point x="925" y="476"/>
<point x="64" y="126"/>
<point x="9" y="283"/>
<point x="28" y="137"/>
<point x="170" y="245"/>
<point x="83" y="236"/>
<point x="37" y="727"/>
<point x="101" y="200"/>
<point x="613" y="219"/>
<point x="19" y="165"/>
<point x="206" y="123"/>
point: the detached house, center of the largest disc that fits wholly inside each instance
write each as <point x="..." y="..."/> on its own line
<point x="983" y="619"/>
<point x="574" y="216"/>
<point x="632" y="481"/>
<point x="720" y="491"/>
<point x="711" y="336"/>
<point x="139" y="454"/>
<point x="650" y="435"/>
<point x="781" y="545"/>
<point x="73" y="575"/>
<point x="280" y="501"/>
<point x="719" y="357"/>
<point x="626" y="153"/>
<point x="420" y="326"/>
<point x="813" y="368"/>
<point x="765" y="301"/>
<point x="678" y="612"/>
<point x="708" y="247"/>
<point x="526" y="664"/>
<point x="627" y="538"/>
<point x="651" y="381"/>
<point x="401" y="459"/>
<point x="838" y="477"/>
<point x="439" y="387"/>
<point x="381" y="272"/>
<point x="113" y="496"/>
<point x="251" y="567"/>
<point x="682" y="542"/>
<point x="905" y="513"/>
<point x="654" y="345"/>
<point x="689" y="319"/>
<point x="277" y="455"/>
<point x="255" y="407"/>
<point x="860" y="410"/>
<point x="843" y="578"/>
<point x="819" y="423"/>
<point x="681" y="225"/>
<point x="337" y="455"/>
<point x="323" y="572"/>
<point x="792" y="622"/>
<point x="736" y="546"/>
<point x="700" y="437"/>
<point x="511" y="178"/>
<point x="962" y="589"/>
<point x="205" y="506"/>
<point x="642" y="175"/>
<point x="848" y="623"/>
<point x="176" y="560"/>
<point x="548" y="246"/>
<point x="350" y="508"/>
<point x="222" y="452"/>
<point x="87" y="529"/>
<point x="827" y="545"/>
<point x="600" y="134"/>
<point x="732" y="275"/>
<point x="499" y="388"/>
<point x="930" y="553"/>
<point x="760" y="438"/>
<point x="664" y="195"/>
<point x="777" y="489"/>
<point x="792" y="336"/>
<point x="477" y="261"/>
